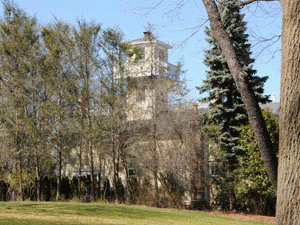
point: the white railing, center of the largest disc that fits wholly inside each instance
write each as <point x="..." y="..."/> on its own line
<point x="157" y="68"/>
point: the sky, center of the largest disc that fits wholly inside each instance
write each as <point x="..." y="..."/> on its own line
<point x="180" y="23"/>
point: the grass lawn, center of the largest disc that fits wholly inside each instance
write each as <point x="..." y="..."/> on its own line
<point x="46" y="213"/>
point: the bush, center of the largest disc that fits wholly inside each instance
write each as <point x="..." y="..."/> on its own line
<point x="3" y="190"/>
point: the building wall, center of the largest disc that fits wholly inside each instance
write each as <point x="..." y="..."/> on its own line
<point x="171" y="155"/>
<point x="140" y="104"/>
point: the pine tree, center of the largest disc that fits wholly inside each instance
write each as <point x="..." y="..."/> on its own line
<point x="226" y="107"/>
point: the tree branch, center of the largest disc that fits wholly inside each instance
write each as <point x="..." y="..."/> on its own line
<point x="154" y="7"/>
<point x="243" y="3"/>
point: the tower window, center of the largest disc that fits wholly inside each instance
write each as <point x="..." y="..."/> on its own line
<point x="141" y="95"/>
<point x="161" y="55"/>
<point x="141" y="53"/>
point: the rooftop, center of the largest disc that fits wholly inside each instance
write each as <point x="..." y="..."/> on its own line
<point x="148" y="36"/>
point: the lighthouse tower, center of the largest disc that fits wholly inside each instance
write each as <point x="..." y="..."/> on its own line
<point x="151" y="76"/>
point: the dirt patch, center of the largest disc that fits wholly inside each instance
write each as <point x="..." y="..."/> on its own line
<point x="242" y="216"/>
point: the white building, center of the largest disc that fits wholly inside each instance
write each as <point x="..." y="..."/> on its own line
<point x="152" y="74"/>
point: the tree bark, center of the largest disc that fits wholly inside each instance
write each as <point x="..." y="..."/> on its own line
<point x="92" y="169"/>
<point x="20" y="180"/>
<point x="240" y="77"/>
<point x="58" y="178"/>
<point x="156" y="191"/>
<point x="288" y="198"/>
<point x="115" y="166"/>
<point x="38" y="177"/>
<point x="79" y="174"/>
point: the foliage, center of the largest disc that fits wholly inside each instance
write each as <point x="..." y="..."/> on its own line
<point x="253" y="186"/>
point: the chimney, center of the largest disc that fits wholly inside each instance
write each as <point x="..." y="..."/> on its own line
<point x="147" y="34"/>
<point x="273" y="98"/>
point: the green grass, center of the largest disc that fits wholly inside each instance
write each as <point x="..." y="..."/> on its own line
<point x="46" y="213"/>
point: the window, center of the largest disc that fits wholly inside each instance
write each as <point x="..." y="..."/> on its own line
<point x="131" y="172"/>
<point x="214" y="168"/>
<point x="161" y="55"/>
<point x="141" y="94"/>
<point x="141" y="53"/>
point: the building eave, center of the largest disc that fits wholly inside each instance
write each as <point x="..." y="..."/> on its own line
<point x="142" y="41"/>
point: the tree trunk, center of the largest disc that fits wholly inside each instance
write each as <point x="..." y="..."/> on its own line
<point x="58" y="174"/>
<point x="79" y="174"/>
<point x="99" y="176"/>
<point x="92" y="170"/>
<point x="155" y="157"/>
<point x="240" y="77"/>
<point x="38" y="177"/>
<point x="19" y="165"/>
<point x="156" y="191"/>
<point x="114" y="158"/>
<point x="288" y="197"/>
<point x="20" y="181"/>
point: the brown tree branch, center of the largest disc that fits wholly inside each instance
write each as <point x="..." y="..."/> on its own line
<point x="154" y="7"/>
<point x="243" y="3"/>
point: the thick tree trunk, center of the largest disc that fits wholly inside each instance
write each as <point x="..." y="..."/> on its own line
<point x="288" y="197"/>
<point x="240" y="77"/>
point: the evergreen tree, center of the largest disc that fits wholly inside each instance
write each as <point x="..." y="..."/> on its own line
<point x="226" y="107"/>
